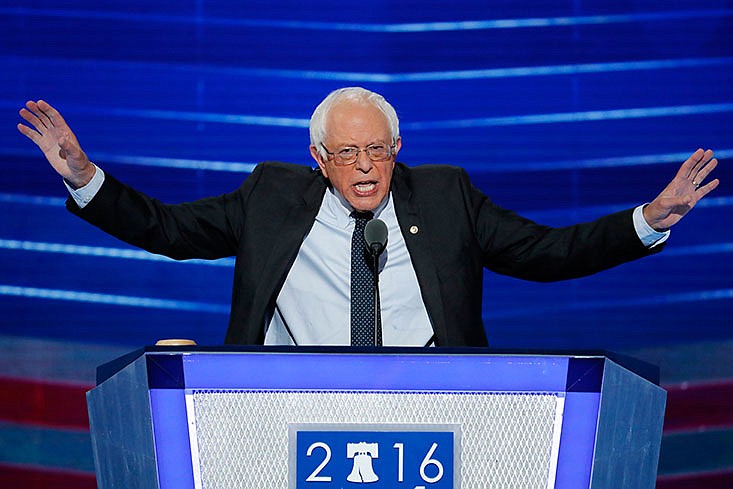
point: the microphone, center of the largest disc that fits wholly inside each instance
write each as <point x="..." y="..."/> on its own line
<point x="375" y="239"/>
<point x="375" y="236"/>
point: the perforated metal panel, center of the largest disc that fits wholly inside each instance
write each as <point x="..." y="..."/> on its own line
<point x="240" y="438"/>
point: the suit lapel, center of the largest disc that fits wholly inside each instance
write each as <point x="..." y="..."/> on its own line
<point x="418" y="245"/>
<point x="292" y="230"/>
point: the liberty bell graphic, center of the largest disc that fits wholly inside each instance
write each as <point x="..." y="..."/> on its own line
<point x="362" y="453"/>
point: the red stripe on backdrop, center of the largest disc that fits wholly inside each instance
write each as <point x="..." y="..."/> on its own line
<point x="711" y="480"/>
<point x="43" y="403"/>
<point x="695" y="406"/>
<point x="28" y="477"/>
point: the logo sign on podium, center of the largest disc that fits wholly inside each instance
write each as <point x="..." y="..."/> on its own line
<point x="373" y="456"/>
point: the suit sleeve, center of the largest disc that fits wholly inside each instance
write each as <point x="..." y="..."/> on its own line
<point x="518" y="247"/>
<point x="209" y="228"/>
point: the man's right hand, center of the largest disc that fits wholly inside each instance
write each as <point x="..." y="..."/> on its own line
<point x="58" y="143"/>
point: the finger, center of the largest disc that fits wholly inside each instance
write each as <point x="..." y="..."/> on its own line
<point x="53" y="114"/>
<point x="31" y="118"/>
<point x="29" y="133"/>
<point x="703" y="173"/>
<point x="706" y="189"/>
<point x="689" y="164"/>
<point x="43" y="114"/>
<point x="32" y="107"/>
<point x="40" y="113"/>
<point x="706" y="157"/>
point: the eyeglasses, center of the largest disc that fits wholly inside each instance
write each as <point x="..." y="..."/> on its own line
<point x="349" y="155"/>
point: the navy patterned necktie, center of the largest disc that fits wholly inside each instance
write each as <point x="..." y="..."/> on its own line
<point x="363" y="329"/>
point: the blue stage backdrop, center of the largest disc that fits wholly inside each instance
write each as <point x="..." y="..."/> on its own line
<point x="562" y="110"/>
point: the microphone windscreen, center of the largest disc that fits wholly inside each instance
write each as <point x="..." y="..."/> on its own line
<point x="375" y="235"/>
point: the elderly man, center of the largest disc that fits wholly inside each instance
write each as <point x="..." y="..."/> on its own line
<point x="296" y="232"/>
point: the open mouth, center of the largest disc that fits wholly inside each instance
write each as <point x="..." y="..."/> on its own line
<point x="365" y="188"/>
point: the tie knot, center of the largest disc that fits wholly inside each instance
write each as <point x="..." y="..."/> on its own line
<point x="362" y="215"/>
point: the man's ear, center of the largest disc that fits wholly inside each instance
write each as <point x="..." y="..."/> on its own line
<point x="317" y="157"/>
<point x="398" y="146"/>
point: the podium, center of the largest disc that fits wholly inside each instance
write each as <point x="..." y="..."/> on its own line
<point x="384" y="418"/>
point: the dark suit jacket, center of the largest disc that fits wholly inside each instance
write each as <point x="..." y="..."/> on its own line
<point x="452" y="232"/>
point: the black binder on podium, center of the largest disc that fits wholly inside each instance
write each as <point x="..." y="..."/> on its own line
<point x="294" y="418"/>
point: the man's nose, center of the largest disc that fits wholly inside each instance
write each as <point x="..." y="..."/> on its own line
<point x="363" y="163"/>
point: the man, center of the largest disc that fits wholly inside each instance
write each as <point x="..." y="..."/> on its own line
<point x="290" y="228"/>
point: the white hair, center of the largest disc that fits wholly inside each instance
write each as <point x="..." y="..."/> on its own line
<point x="352" y="94"/>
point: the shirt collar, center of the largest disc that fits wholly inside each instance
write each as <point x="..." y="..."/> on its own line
<point x="337" y="210"/>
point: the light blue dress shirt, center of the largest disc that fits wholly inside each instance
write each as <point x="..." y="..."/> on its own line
<point x="313" y="307"/>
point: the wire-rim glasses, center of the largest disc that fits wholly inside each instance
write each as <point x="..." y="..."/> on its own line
<point x="348" y="155"/>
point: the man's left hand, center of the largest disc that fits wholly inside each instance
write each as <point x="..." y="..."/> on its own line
<point x="683" y="192"/>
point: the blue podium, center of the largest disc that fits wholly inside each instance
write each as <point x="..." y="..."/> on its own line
<point x="388" y="418"/>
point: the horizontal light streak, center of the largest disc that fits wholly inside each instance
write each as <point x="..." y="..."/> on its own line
<point x="395" y="28"/>
<point x="104" y="252"/>
<point x="706" y="249"/>
<point x="366" y="77"/>
<point x="566" y="117"/>
<point x="170" y="304"/>
<point x="722" y="201"/>
<point x="111" y="299"/>
<point x="195" y="116"/>
<point x="42" y="200"/>
<point x="188" y="164"/>
<point x="589" y="305"/>
<point x="513" y="120"/>
<point x="122" y="159"/>
<point x="612" y="162"/>
<point x="533" y="22"/>
<point x="134" y="254"/>
<point x="551" y="70"/>
<point x="594" y="211"/>
<point x="126" y="254"/>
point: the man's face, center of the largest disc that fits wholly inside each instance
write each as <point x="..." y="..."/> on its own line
<point x="365" y="183"/>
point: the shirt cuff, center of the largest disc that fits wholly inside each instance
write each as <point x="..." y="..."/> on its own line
<point x="647" y="234"/>
<point x="83" y="195"/>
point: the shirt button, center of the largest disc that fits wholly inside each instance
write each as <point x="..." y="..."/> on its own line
<point x="414" y="229"/>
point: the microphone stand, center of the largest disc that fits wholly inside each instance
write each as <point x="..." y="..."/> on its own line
<point x="375" y="238"/>
<point x="375" y="273"/>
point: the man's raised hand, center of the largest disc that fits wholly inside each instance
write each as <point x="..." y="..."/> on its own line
<point x="53" y="136"/>
<point x="683" y="192"/>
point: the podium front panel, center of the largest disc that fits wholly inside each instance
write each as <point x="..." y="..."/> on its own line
<point x="337" y="420"/>
<point x="242" y="437"/>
